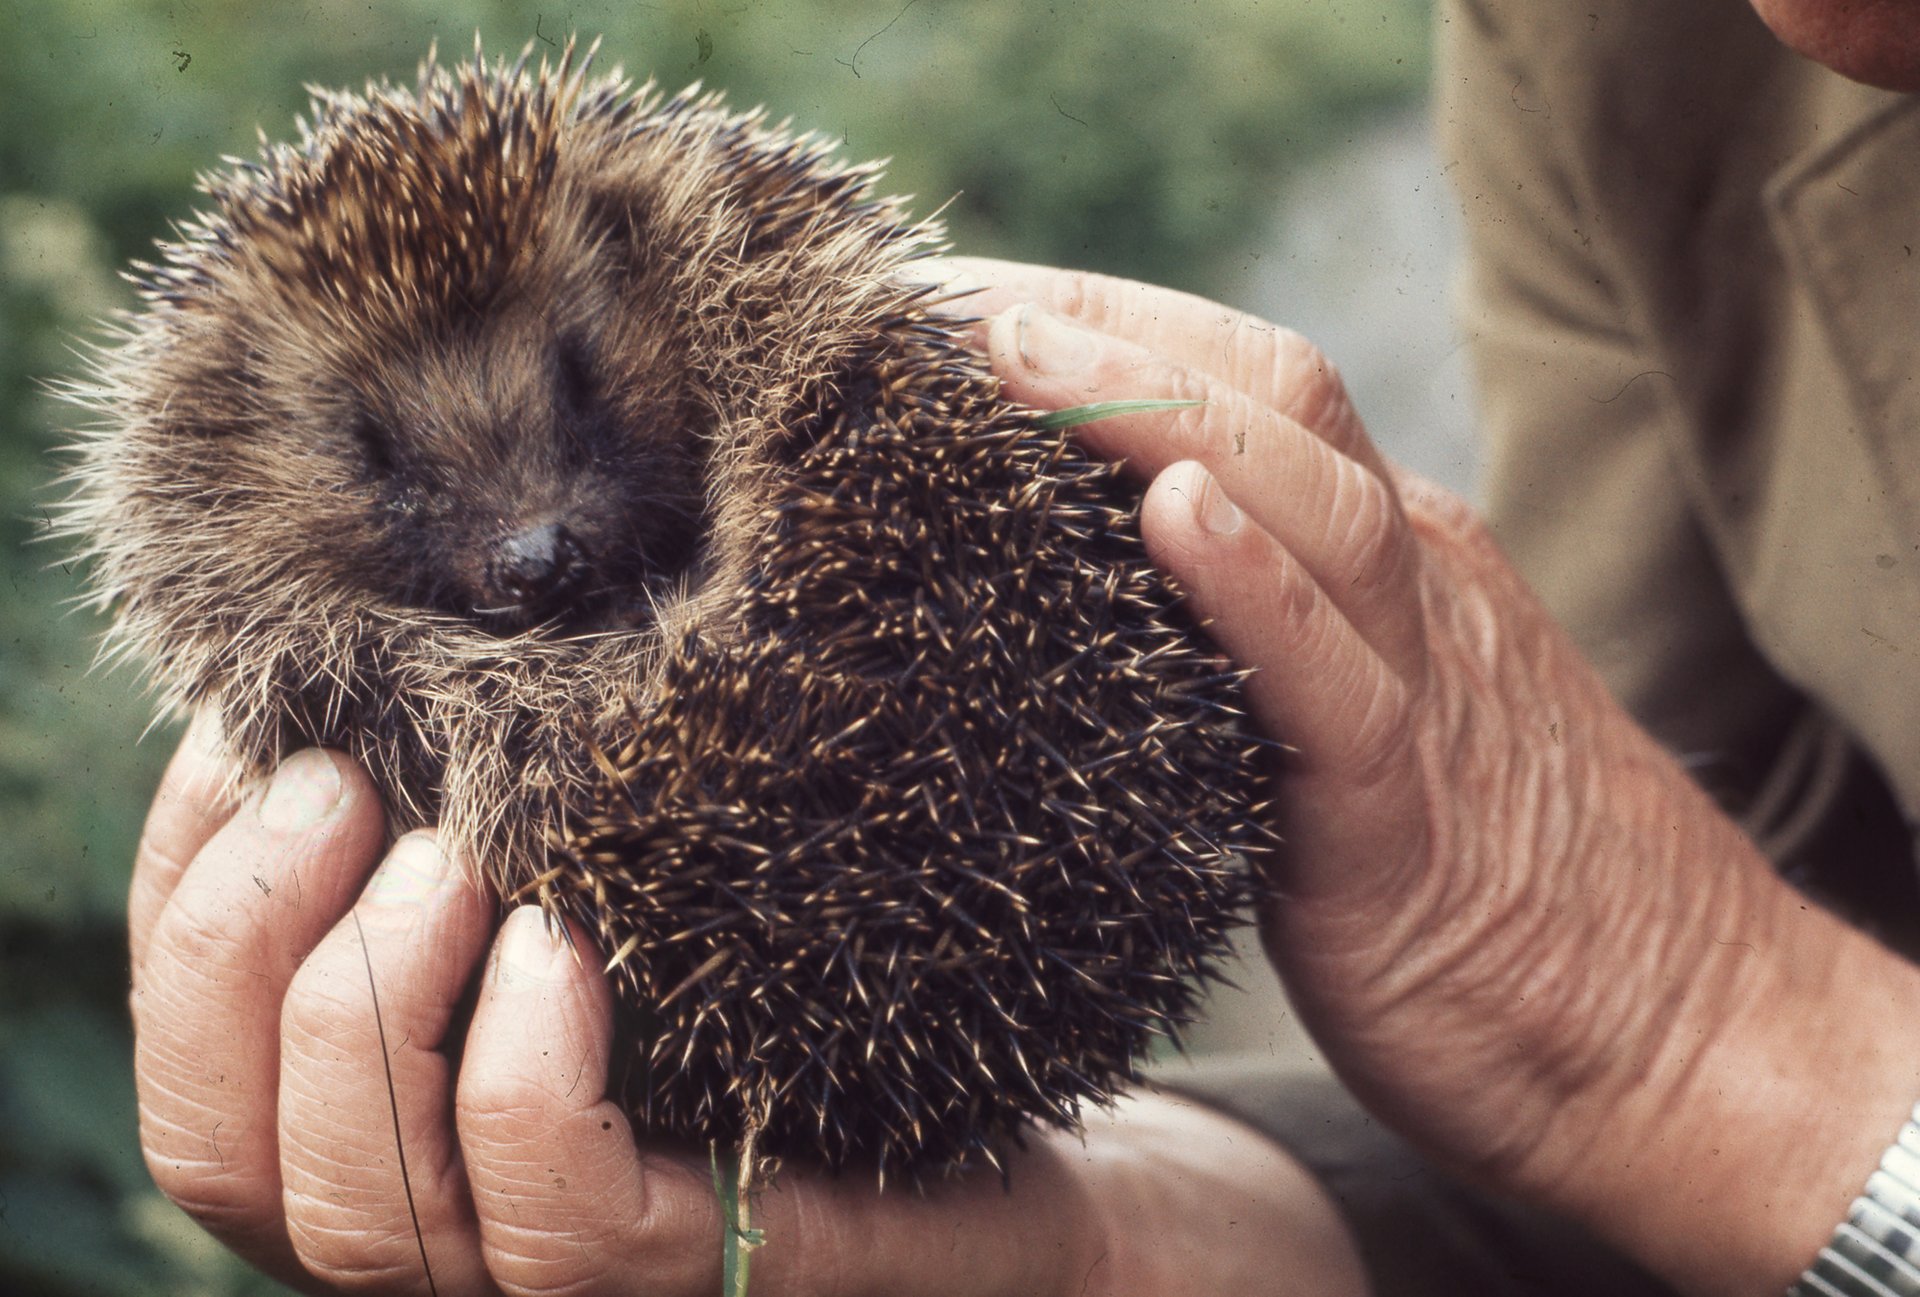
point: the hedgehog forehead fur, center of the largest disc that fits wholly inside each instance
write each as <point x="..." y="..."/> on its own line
<point x="580" y="461"/>
<point x="411" y="281"/>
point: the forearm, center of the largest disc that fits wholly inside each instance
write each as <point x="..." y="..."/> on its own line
<point x="1688" y="1056"/>
<point x="1778" y="1112"/>
<point x="1754" y="1056"/>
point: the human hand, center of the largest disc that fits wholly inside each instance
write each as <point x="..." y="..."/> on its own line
<point x="1515" y="926"/>
<point x="274" y="1103"/>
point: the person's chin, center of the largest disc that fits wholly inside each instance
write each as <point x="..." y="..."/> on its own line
<point x="1872" y="41"/>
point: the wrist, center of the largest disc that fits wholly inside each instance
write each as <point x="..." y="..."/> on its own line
<point x="1876" y="1249"/>
<point x="1780" y="1084"/>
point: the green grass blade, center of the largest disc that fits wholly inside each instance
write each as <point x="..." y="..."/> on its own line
<point x="736" y="1240"/>
<point x="1075" y="415"/>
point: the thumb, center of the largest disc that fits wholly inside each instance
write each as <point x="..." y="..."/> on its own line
<point x="1353" y="797"/>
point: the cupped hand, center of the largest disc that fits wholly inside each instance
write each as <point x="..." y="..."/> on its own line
<point x="1515" y="926"/>
<point x="300" y="1098"/>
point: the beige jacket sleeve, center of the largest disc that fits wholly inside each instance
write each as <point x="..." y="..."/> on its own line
<point x="1582" y="489"/>
<point x="1654" y="400"/>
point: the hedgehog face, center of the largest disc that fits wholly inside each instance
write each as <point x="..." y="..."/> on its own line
<point x="495" y="469"/>
<point x="444" y="422"/>
<point x="505" y="506"/>
<point x="514" y="440"/>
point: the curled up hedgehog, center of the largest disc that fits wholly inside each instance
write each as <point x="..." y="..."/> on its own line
<point x="585" y="463"/>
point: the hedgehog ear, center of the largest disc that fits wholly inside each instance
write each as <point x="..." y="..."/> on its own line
<point x="621" y="223"/>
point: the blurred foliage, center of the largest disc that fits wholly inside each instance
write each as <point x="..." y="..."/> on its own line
<point x="1143" y="137"/>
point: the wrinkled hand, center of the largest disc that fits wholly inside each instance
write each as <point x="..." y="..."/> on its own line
<point x="1516" y="927"/>
<point x="259" y="945"/>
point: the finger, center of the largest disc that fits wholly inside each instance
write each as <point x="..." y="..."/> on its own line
<point x="194" y="799"/>
<point x="567" y="1203"/>
<point x="1268" y="364"/>
<point x="206" y="1004"/>
<point x="565" y="1200"/>
<point x="1339" y="520"/>
<point x="1317" y="683"/>
<point x="375" y="1196"/>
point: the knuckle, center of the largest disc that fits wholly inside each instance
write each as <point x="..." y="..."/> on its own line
<point x="1080" y="295"/>
<point x="180" y="995"/>
<point x="500" y="1113"/>
<point x="351" y="1218"/>
<point x="541" y="1256"/>
<point x="323" y="1011"/>
<point x="1371" y="524"/>
<point x="227" y="1203"/>
<point x="350" y="1256"/>
<point x="1306" y="386"/>
<point x="1261" y="354"/>
<point x="544" y="1231"/>
<point x="1295" y="605"/>
<point x="156" y="858"/>
<point x="528" y="1262"/>
<point x="1322" y="393"/>
<point x="1303" y="372"/>
<point x="1323" y="402"/>
<point x="205" y="929"/>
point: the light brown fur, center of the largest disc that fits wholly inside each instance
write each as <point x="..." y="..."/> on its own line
<point x="222" y="502"/>
<point x="850" y="718"/>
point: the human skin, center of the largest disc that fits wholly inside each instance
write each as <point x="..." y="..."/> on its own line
<point x="1875" y="41"/>
<point x="265" y="1111"/>
<point x="265" y="1104"/>
<point x="1516" y="927"/>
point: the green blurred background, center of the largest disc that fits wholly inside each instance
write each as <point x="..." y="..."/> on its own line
<point x="1144" y="138"/>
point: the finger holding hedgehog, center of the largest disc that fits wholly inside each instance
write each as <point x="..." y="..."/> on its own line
<point x="1339" y="518"/>
<point x="242" y="914"/>
<point x="548" y="1189"/>
<point x="368" y="1024"/>
<point x="1267" y="363"/>
<point x="1490" y="905"/>
<point x="582" y="462"/>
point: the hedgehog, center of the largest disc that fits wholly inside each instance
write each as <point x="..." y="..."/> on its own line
<point x="587" y="462"/>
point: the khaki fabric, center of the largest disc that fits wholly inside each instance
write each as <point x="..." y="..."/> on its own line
<point x="1693" y="305"/>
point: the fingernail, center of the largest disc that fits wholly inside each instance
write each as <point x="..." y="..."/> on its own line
<point x="530" y="946"/>
<point x="204" y="734"/>
<point x="1048" y="345"/>
<point x="304" y="791"/>
<point x="941" y="275"/>
<point x="210" y="772"/>
<point x="413" y="873"/>
<point x="1212" y="509"/>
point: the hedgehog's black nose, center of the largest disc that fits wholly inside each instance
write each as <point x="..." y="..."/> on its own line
<point x="536" y="565"/>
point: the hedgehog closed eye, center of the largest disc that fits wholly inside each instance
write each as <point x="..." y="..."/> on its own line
<point x="375" y="443"/>
<point x="695" y="579"/>
<point x="575" y="366"/>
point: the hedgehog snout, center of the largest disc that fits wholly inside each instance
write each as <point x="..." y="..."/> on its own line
<point x="535" y="566"/>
